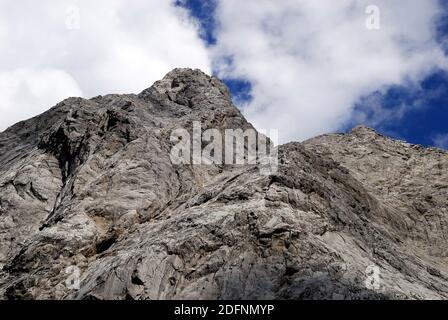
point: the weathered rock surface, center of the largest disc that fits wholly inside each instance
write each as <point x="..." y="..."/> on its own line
<point x="90" y="184"/>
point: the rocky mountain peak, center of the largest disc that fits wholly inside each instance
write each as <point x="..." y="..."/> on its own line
<point x="363" y="130"/>
<point x="187" y="87"/>
<point x="92" y="207"/>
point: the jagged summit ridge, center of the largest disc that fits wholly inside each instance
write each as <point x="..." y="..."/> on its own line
<point x="89" y="186"/>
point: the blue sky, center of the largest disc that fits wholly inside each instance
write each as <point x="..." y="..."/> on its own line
<point x="424" y="116"/>
<point x="204" y="11"/>
<point x="425" y="121"/>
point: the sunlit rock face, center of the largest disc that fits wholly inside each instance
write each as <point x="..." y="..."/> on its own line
<point x="92" y="207"/>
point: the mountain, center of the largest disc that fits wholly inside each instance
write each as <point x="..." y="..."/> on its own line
<point x="93" y="207"/>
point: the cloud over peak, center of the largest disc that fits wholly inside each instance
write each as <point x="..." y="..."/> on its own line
<point x="86" y="48"/>
<point x="307" y="63"/>
<point x="310" y="61"/>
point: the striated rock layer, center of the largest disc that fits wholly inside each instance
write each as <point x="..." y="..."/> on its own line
<point x="89" y="186"/>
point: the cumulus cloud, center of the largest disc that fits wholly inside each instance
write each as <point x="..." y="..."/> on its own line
<point x="53" y="49"/>
<point x="26" y="92"/>
<point x="441" y="140"/>
<point x="372" y="111"/>
<point x="310" y="61"/>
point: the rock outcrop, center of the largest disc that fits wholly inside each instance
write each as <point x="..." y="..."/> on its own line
<point x="88" y="189"/>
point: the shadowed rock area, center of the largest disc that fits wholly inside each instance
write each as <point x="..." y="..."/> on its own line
<point x="90" y="184"/>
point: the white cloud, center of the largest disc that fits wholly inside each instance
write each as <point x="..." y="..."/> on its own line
<point x="120" y="47"/>
<point x="25" y="92"/>
<point x="441" y="140"/>
<point x="377" y="110"/>
<point x="310" y="61"/>
<point x="373" y="113"/>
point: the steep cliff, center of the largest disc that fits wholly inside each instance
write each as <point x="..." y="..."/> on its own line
<point x="89" y="186"/>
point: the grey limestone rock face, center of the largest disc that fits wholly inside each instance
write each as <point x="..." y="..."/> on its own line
<point x="90" y="184"/>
